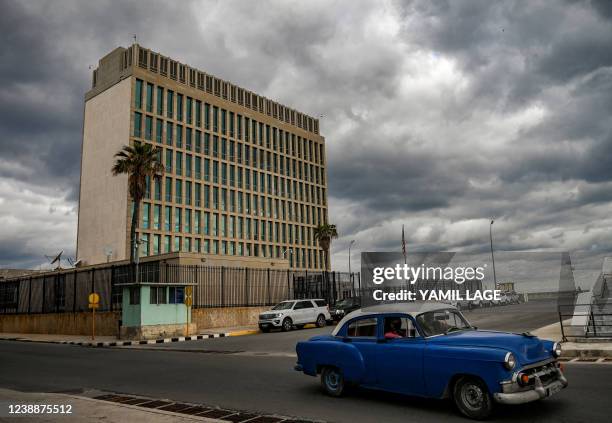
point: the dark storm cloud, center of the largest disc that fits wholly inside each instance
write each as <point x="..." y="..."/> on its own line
<point x="437" y="114"/>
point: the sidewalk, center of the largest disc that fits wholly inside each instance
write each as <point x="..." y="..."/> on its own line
<point x="85" y="409"/>
<point x="574" y="349"/>
<point x="111" y="341"/>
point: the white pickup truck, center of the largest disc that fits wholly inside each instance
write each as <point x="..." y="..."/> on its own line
<point x="287" y="314"/>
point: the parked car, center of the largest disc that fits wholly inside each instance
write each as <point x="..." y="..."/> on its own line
<point x="287" y="314"/>
<point x="430" y="350"/>
<point x="344" y="307"/>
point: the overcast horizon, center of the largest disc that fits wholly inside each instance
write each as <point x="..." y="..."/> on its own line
<point x="437" y="115"/>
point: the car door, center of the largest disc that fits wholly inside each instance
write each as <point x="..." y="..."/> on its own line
<point x="399" y="361"/>
<point x="362" y="332"/>
<point x="308" y="311"/>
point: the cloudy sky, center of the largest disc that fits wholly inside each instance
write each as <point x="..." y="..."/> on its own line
<point x="437" y="114"/>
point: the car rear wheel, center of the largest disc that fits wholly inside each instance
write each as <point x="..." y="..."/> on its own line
<point x="287" y="324"/>
<point x="332" y="381"/>
<point x="321" y="322"/>
<point x="472" y="398"/>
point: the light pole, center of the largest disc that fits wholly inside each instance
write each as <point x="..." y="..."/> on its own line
<point x="350" y="245"/>
<point x="492" y="256"/>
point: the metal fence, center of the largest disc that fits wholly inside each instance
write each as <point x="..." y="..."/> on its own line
<point x="587" y="320"/>
<point x="67" y="290"/>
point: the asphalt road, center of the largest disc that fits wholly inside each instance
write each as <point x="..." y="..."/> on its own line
<point x="512" y="318"/>
<point x="260" y="378"/>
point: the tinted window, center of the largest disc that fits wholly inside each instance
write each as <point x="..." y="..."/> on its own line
<point x="303" y="304"/>
<point x="320" y="303"/>
<point x="362" y="327"/>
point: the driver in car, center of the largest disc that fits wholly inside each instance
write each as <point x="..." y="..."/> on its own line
<point x="393" y="328"/>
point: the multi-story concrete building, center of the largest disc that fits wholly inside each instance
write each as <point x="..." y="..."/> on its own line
<point x="244" y="175"/>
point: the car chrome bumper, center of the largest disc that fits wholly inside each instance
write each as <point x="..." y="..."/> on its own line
<point x="537" y="392"/>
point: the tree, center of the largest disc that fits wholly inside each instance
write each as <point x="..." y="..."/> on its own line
<point x="138" y="161"/>
<point x="324" y="234"/>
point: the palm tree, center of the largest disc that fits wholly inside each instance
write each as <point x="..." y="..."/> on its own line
<point x="138" y="161"/>
<point x="324" y="234"/>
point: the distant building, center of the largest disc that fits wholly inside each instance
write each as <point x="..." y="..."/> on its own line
<point x="245" y="176"/>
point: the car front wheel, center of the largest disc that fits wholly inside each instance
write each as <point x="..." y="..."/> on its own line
<point x="287" y="324"/>
<point x="472" y="398"/>
<point x="321" y="322"/>
<point x="332" y="381"/>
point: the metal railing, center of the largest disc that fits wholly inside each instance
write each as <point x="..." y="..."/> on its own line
<point x="587" y="321"/>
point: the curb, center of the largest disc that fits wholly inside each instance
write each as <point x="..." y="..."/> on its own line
<point x="143" y="342"/>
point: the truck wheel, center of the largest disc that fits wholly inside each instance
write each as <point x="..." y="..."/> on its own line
<point x="287" y="324"/>
<point x="321" y="322"/>
<point x="472" y="398"/>
<point x="332" y="381"/>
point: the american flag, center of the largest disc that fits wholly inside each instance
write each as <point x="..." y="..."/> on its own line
<point x="403" y="244"/>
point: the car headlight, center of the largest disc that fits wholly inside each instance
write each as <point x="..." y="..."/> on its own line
<point x="509" y="361"/>
<point x="556" y="349"/>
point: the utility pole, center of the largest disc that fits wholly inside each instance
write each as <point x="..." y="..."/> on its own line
<point x="492" y="255"/>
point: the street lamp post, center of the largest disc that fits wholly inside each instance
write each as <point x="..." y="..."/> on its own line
<point x="492" y="255"/>
<point x="350" y="245"/>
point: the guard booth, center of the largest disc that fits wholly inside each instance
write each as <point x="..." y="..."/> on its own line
<point x="152" y="310"/>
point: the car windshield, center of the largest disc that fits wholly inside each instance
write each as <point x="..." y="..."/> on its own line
<point x="285" y="305"/>
<point x="344" y="303"/>
<point x="442" y="322"/>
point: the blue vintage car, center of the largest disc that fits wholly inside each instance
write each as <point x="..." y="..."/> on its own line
<point x="430" y="350"/>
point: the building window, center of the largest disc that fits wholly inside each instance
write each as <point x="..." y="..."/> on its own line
<point x="137" y="124"/>
<point x="177" y="295"/>
<point x="178" y="192"/>
<point x="134" y="295"/>
<point x="149" y="98"/>
<point x="179" y="107"/>
<point x="179" y="136"/>
<point x="159" y="130"/>
<point x="146" y="210"/>
<point x="167" y="244"/>
<point x="169" y="104"/>
<point x="206" y="116"/>
<point x="158" y="295"/>
<point x="138" y="94"/>
<point x="149" y="128"/>
<point x="160" y="101"/>
<point x="189" y="109"/>
<point x="169" y="132"/>
<point x="156" y="216"/>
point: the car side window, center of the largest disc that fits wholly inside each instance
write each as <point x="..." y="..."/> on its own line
<point x="320" y="303"/>
<point x="399" y="327"/>
<point x="362" y="328"/>
<point x="305" y="304"/>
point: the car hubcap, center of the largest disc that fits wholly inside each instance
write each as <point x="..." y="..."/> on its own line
<point x="332" y="380"/>
<point x="320" y="321"/>
<point x="472" y="396"/>
<point x="287" y="325"/>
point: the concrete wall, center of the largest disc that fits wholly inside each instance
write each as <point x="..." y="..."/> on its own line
<point x="226" y="317"/>
<point x="103" y="201"/>
<point x="107" y="322"/>
<point x="61" y="323"/>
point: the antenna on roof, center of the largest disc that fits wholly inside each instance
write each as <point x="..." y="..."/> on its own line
<point x="134" y="36"/>
<point x="56" y="259"/>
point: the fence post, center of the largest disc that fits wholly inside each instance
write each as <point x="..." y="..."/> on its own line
<point x="42" y="310"/>
<point x="269" y="294"/>
<point x="594" y="326"/>
<point x="246" y="286"/>
<point x="561" y="324"/>
<point x="112" y="282"/>
<point x="30" y="297"/>
<point x="74" y="291"/>
<point x="56" y="287"/>
<point x="222" y="285"/>
<point x="288" y="286"/>
<point x="334" y="288"/>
